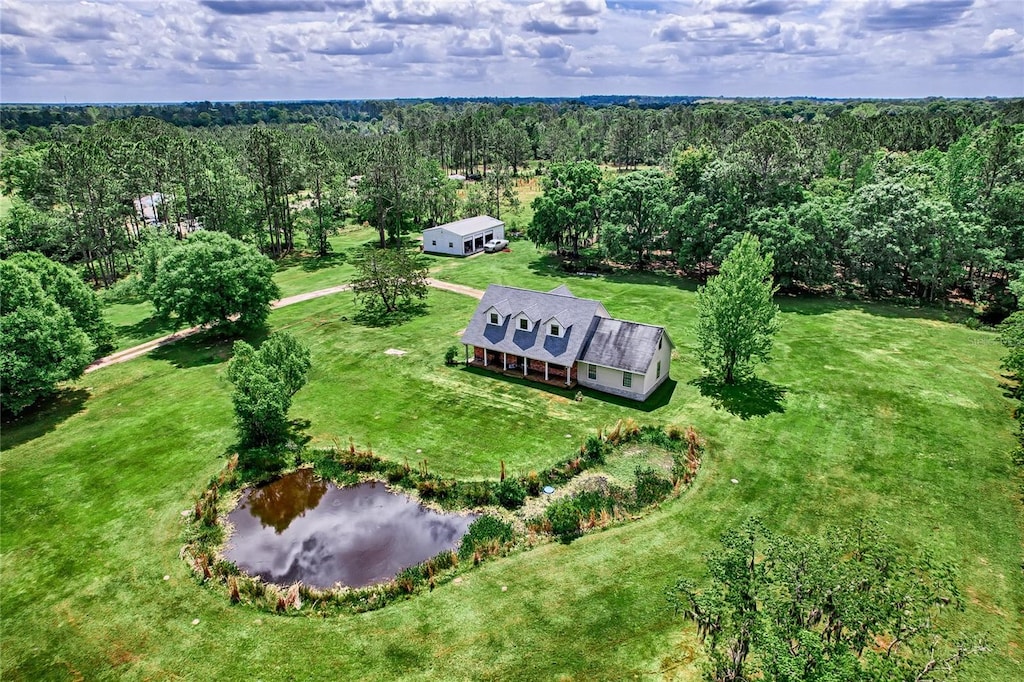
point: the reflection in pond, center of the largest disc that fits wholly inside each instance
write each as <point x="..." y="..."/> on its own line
<point x="281" y="502"/>
<point x="300" y="529"/>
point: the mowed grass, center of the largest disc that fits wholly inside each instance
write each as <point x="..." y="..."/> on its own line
<point x="867" y="410"/>
<point x="134" y="321"/>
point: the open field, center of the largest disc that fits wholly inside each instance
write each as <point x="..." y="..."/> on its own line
<point x="867" y="410"/>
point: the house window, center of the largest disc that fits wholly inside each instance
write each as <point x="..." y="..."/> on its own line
<point x="555" y="331"/>
<point x="433" y="242"/>
<point x="659" y="344"/>
<point x="524" y="323"/>
<point x="450" y="245"/>
<point x="627" y="379"/>
<point x="659" y="369"/>
<point x="494" y="319"/>
<point x="592" y="372"/>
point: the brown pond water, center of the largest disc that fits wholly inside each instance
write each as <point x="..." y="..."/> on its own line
<point x="302" y="529"/>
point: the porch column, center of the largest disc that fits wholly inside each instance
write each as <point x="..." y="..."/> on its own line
<point x="504" y="361"/>
<point x="545" y="370"/>
<point x="568" y="375"/>
<point x="485" y="357"/>
<point x="466" y="347"/>
<point x="526" y="363"/>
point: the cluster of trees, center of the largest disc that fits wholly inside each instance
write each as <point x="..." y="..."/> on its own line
<point x="51" y="328"/>
<point x="1012" y="337"/>
<point x="899" y="198"/>
<point x="918" y="224"/>
<point x="847" y="605"/>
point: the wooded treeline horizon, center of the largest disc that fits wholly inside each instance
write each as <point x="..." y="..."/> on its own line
<point x="919" y="199"/>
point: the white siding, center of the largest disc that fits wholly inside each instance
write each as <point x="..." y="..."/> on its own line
<point x="444" y="237"/>
<point x="610" y="380"/>
<point x="664" y="354"/>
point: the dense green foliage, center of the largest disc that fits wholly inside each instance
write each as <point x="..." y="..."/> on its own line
<point x="68" y="291"/>
<point x="41" y="343"/>
<point x="917" y="199"/>
<point x="388" y="281"/>
<point x="736" y="316"/>
<point x="210" y="278"/>
<point x="265" y="381"/>
<point x="568" y="213"/>
<point x="849" y="604"/>
<point x="482" y="532"/>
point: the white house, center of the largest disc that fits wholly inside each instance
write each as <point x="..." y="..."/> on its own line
<point x="557" y="338"/>
<point x="463" y="237"/>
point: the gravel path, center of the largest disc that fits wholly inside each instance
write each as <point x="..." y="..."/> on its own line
<point x="135" y="351"/>
<point x="456" y="288"/>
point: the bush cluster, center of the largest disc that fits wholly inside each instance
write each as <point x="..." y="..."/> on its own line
<point x="484" y="534"/>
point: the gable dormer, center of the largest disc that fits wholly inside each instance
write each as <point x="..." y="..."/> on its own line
<point x="497" y="313"/>
<point x="526" y="319"/>
<point x="555" y="326"/>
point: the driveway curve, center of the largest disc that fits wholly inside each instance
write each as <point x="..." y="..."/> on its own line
<point x="143" y="348"/>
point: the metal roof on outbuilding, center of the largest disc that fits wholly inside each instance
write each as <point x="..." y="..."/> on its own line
<point x="468" y="226"/>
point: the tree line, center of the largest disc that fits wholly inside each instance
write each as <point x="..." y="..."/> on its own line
<point x="912" y="199"/>
<point x="920" y="224"/>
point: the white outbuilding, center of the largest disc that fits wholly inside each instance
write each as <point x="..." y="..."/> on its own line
<point x="463" y="237"/>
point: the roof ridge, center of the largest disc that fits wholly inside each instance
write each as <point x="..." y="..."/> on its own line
<point x="545" y="293"/>
<point x="640" y="324"/>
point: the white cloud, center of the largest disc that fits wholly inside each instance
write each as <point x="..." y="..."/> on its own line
<point x="297" y="49"/>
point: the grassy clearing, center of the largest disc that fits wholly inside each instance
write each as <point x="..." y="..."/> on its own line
<point x="867" y="410"/>
<point x="134" y="322"/>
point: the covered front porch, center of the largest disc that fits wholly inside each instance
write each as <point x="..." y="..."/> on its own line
<point x="509" y="364"/>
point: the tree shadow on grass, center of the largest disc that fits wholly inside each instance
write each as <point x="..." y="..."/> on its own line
<point x="209" y="347"/>
<point x="331" y="260"/>
<point x="552" y="265"/>
<point x="751" y="398"/>
<point x="382" y="318"/>
<point x="39" y="419"/>
<point x="149" y="328"/>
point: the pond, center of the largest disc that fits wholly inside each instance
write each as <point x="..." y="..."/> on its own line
<point x="303" y="529"/>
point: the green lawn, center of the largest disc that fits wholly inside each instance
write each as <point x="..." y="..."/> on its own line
<point x="134" y="322"/>
<point x="867" y="410"/>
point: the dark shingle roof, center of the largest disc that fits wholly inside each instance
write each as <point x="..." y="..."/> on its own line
<point x="623" y="345"/>
<point x="577" y="316"/>
<point x="561" y="290"/>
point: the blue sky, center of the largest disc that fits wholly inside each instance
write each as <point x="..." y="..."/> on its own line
<point x="176" y="50"/>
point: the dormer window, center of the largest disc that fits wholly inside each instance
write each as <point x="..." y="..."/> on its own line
<point x="494" y="318"/>
<point x="524" y="324"/>
<point x="555" y="331"/>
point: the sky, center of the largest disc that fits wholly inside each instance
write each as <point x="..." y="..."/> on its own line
<point x="224" y="50"/>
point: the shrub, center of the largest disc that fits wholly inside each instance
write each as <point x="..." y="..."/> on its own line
<point x="450" y="355"/>
<point x="395" y="473"/>
<point x="595" y="450"/>
<point x="484" y="531"/>
<point x="477" y="493"/>
<point x="564" y="516"/>
<point x="651" y="487"/>
<point x="510" y="493"/>
<point x="532" y="483"/>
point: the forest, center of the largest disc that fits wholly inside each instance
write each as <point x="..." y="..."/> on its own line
<point x="920" y="200"/>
